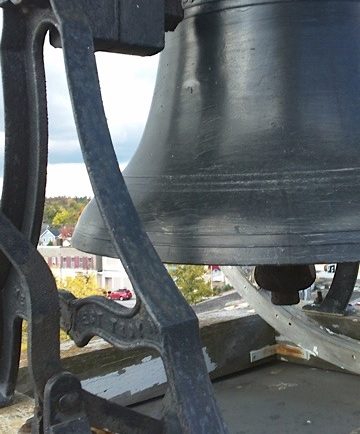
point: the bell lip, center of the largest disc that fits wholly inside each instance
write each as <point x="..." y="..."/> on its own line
<point x="232" y="256"/>
<point x="330" y="249"/>
<point x="225" y="4"/>
<point x="197" y="7"/>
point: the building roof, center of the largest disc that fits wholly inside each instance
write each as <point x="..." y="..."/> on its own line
<point x="45" y="227"/>
<point x="49" y="251"/>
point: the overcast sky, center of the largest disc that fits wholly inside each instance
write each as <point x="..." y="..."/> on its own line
<point x="127" y="84"/>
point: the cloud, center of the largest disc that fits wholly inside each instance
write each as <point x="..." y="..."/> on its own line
<point x="126" y="84"/>
<point x="68" y="151"/>
<point x="67" y="179"/>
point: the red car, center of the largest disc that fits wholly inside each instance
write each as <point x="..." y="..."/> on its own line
<point x="119" y="294"/>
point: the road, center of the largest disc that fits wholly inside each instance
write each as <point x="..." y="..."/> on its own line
<point x="127" y="303"/>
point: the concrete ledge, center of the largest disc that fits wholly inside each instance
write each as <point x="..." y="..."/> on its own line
<point x="14" y="416"/>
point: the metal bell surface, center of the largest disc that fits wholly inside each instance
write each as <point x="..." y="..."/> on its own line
<point x="251" y="152"/>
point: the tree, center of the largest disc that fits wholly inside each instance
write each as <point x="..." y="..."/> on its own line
<point x="81" y="285"/>
<point x="66" y="232"/>
<point x="190" y="281"/>
<point x="50" y="211"/>
<point x="60" y="211"/>
<point x="60" y="218"/>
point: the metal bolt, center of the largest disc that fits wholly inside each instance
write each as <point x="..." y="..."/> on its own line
<point x="70" y="403"/>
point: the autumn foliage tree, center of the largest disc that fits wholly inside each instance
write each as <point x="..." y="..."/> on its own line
<point x="81" y="285"/>
<point x="191" y="282"/>
<point x="61" y="211"/>
<point x="66" y="231"/>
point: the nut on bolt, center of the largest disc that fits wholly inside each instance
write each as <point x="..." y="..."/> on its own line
<point x="70" y="403"/>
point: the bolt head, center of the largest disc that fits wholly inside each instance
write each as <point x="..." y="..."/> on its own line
<point x="70" y="403"/>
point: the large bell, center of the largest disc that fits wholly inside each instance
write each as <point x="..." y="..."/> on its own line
<point x="251" y="152"/>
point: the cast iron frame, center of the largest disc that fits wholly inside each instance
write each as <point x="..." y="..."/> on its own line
<point x="161" y="318"/>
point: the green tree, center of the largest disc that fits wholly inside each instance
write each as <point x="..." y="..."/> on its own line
<point x="81" y="285"/>
<point x="190" y="281"/>
<point x="55" y="207"/>
<point x="60" y="218"/>
<point x="49" y="213"/>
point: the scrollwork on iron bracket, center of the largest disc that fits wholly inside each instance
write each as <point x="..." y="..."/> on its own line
<point x="162" y="319"/>
<point x="93" y="316"/>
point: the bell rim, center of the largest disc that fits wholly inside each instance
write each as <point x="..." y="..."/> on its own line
<point x="336" y="252"/>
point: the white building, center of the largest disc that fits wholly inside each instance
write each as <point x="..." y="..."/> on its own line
<point x="69" y="262"/>
<point x="112" y="275"/>
<point x="48" y="236"/>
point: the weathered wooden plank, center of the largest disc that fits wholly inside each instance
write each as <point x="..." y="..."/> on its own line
<point x="297" y="327"/>
<point x="348" y="325"/>
<point x="228" y="337"/>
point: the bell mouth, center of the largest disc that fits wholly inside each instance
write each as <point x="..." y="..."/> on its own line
<point x="179" y="241"/>
<point x="250" y="155"/>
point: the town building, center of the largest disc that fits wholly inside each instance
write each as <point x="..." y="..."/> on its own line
<point x="70" y="262"/>
<point x="67" y="261"/>
<point x="48" y="236"/>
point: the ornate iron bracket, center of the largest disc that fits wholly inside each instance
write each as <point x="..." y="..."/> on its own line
<point x="162" y="319"/>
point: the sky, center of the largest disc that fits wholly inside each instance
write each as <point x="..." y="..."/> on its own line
<point x="127" y="84"/>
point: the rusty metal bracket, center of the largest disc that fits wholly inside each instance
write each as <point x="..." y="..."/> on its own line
<point x="280" y="350"/>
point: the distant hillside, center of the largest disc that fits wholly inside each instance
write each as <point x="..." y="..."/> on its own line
<point x="63" y="211"/>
